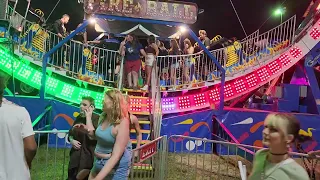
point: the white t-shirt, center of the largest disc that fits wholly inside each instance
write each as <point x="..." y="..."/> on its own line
<point x="15" y="125"/>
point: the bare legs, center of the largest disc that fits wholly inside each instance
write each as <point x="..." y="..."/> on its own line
<point x="133" y="79"/>
<point x="148" y="71"/>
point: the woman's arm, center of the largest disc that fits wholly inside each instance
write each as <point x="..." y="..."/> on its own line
<point x="155" y="47"/>
<point x="143" y="52"/>
<point x="94" y="42"/>
<point x="122" y="139"/>
<point x="191" y="50"/>
<point x="122" y="48"/>
<point x="89" y="124"/>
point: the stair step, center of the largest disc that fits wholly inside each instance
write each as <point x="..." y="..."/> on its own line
<point x="140" y="166"/>
<point x="136" y="91"/>
<point x="143" y="118"/>
<point x="144" y="122"/>
<point x="140" y="113"/>
<point x="134" y="141"/>
<point x="142" y="130"/>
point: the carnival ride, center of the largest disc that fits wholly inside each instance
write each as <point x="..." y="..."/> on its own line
<point x="261" y="65"/>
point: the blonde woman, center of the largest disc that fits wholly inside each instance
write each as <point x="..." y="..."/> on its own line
<point x="280" y="131"/>
<point x="112" y="155"/>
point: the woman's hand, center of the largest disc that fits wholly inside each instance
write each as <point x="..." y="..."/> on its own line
<point x="89" y="112"/>
<point x="79" y="125"/>
<point x="76" y="144"/>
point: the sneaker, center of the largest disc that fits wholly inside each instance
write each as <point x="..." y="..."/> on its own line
<point x="145" y="88"/>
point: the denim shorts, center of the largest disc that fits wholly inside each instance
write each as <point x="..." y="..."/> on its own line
<point x="120" y="171"/>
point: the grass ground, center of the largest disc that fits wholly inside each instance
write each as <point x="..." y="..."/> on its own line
<point x="52" y="164"/>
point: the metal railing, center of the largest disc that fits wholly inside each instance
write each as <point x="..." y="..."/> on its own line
<point x="187" y="71"/>
<point x="258" y="50"/>
<point x="179" y="157"/>
<point x="75" y="59"/>
<point x="254" y="35"/>
<point x="51" y="161"/>
<point x="197" y="158"/>
<point x="43" y="120"/>
<point x="100" y="66"/>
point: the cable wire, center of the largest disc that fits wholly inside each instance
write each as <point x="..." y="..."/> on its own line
<point x="52" y="10"/>
<point x="238" y="18"/>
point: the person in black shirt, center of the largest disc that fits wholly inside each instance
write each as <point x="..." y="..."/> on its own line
<point x="59" y="29"/>
<point x="82" y="151"/>
<point x="58" y="26"/>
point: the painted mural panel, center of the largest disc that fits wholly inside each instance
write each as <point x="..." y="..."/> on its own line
<point x="247" y="127"/>
<point x="194" y="125"/>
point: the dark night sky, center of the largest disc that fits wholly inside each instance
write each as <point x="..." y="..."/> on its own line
<point x="218" y="18"/>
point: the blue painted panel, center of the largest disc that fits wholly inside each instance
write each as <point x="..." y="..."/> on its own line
<point x="195" y="125"/>
<point x="247" y="127"/>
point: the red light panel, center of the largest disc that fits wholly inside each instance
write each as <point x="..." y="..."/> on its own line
<point x="228" y="91"/>
<point x="184" y="102"/>
<point x="251" y="80"/>
<point x="274" y="67"/>
<point x="149" y="104"/>
<point x="200" y="100"/>
<point x="214" y="94"/>
<point x="295" y="52"/>
<point x="135" y="104"/>
<point x="263" y="74"/>
<point x="239" y="86"/>
<point x="285" y="60"/>
<point x="315" y="33"/>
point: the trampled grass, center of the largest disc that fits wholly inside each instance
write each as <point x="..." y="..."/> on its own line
<point x="52" y="164"/>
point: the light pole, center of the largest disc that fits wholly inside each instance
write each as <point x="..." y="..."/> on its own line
<point x="280" y="12"/>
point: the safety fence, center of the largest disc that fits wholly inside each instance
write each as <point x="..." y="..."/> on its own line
<point x="52" y="158"/>
<point x="95" y="64"/>
<point x="188" y="71"/>
<point x="178" y="157"/>
<point x="198" y="158"/>
<point x="257" y="49"/>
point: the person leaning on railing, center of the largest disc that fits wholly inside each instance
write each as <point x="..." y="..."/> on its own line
<point x="280" y="131"/>
<point x="130" y="48"/>
<point x="82" y="151"/>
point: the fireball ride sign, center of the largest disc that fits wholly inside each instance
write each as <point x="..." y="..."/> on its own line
<point x="182" y="12"/>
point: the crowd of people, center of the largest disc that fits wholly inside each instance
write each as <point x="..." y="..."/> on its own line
<point x="180" y="64"/>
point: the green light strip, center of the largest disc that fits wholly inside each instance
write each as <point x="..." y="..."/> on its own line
<point x="25" y="73"/>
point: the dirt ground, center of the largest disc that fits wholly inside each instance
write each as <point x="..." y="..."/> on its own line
<point x="204" y="166"/>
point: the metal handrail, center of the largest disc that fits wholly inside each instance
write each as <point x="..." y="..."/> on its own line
<point x="37" y="120"/>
